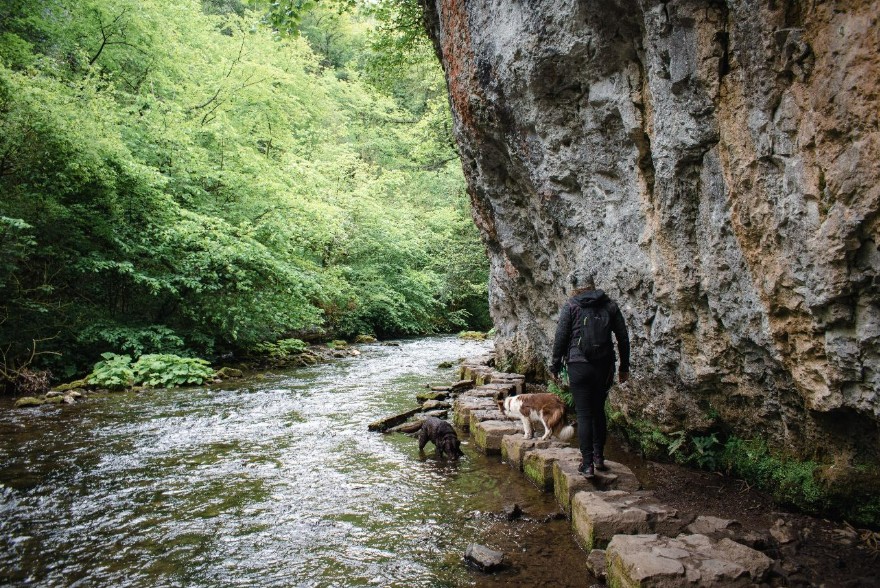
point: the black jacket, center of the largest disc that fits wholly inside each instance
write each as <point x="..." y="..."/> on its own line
<point x="564" y="346"/>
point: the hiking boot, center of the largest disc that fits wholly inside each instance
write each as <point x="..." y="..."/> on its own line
<point x="587" y="470"/>
<point x="599" y="462"/>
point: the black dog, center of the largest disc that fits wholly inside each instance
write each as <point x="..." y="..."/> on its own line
<point x="442" y="435"/>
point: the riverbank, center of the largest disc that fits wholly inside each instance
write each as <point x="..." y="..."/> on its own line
<point x="694" y="519"/>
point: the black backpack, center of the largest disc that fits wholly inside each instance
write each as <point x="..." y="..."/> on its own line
<point x="592" y="330"/>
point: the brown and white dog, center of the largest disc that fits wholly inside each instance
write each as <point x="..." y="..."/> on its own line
<point x="545" y="408"/>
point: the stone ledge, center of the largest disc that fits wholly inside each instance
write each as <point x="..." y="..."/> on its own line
<point x="515" y="447"/>
<point x="598" y="516"/>
<point x="463" y="406"/>
<point x="488" y="434"/>
<point x="538" y="464"/>
<point x="568" y="481"/>
<point x="688" y="560"/>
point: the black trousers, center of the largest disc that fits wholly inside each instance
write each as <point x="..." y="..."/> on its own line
<point x="589" y="386"/>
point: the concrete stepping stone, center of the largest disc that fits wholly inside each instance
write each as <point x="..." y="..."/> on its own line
<point x="515" y="447"/>
<point x="598" y="516"/>
<point x="538" y="464"/>
<point x="463" y="406"/>
<point x="568" y="481"/>
<point x="487" y="435"/>
<point x="688" y="560"/>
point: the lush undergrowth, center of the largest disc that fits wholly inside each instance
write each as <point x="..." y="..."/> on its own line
<point x="800" y="484"/>
<point x="188" y="178"/>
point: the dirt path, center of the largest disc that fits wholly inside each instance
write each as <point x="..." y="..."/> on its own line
<point x="810" y="551"/>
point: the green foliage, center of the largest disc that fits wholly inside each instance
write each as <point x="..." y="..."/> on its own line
<point x="790" y="482"/>
<point x="184" y="179"/>
<point x="114" y="372"/>
<point x="166" y="370"/>
<point x="282" y="348"/>
<point x="563" y="392"/>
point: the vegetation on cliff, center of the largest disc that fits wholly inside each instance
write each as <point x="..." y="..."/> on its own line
<point x="189" y="178"/>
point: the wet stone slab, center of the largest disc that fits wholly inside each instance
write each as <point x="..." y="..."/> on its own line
<point x="514" y="448"/>
<point x="538" y="464"/>
<point x="688" y="560"/>
<point x="465" y="404"/>
<point x="497" y="389"/>
<point x="598" y="516"/>
<point x="488" y="391"/>
<point x="488" y="414"/>
<point x="488" y="434"/>
<point x="567" y="481"/>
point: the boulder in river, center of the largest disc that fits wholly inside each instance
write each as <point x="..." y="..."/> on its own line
<point x="483" y="558"/>
<point x="25" y="401"/>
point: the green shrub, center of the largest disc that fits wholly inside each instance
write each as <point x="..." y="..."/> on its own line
<point x="281" y="349"/>
<point x="165" y="371"/>
<point x="113" y="372"/>
<point x="564" y="392"/>
<point x="790" y="482"/>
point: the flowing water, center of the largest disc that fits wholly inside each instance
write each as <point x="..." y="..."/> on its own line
<point x="269" y="481"/>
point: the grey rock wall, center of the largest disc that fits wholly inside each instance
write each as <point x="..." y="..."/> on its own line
<point x="717" y="164"/>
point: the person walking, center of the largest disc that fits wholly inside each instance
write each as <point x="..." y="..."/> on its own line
<point x="583" y="344"/>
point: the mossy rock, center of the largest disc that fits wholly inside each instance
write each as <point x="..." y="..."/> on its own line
<point x="75" y="385"/>
<point x="337" y="344"/>
<point x="365" y="339"/>
<point x="26" y="401"/>
<point x="472" y="335"/>
<point x="226" y="373"/>
<point x="445" y="365"/>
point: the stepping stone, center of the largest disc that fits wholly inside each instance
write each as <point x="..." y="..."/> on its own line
<point x="487" y="414"/>
<point x="462" y="385"/>
<point x="538" y="464"/>
<point x="488" y="434"/>
<point x="599" y="516"/>
<point x="482" y="375"/>
<point x="567" y="481"/>
<point x="515" y="447"/>
<point x="499" y="389"/>
<point x="463" y="406"/>
<point x="688" y="560"/>
<point x="487" y="391"/>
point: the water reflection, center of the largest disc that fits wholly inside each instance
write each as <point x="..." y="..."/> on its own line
<point x="270" y="482"/>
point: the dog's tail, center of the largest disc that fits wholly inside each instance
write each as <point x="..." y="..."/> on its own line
<point x="564" y="433"/>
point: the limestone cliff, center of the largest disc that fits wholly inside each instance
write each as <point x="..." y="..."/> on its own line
<point x="718" y="163"/>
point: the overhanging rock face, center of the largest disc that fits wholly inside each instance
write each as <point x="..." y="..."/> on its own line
<point x="718" y="165"/>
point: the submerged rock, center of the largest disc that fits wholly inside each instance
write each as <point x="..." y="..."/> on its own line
<point x="483" y="558"/>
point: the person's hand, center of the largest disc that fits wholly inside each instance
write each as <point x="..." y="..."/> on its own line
<point x="624" y="376"/>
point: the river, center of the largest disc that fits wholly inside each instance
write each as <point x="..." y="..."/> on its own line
<point x="268" y="481"/>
